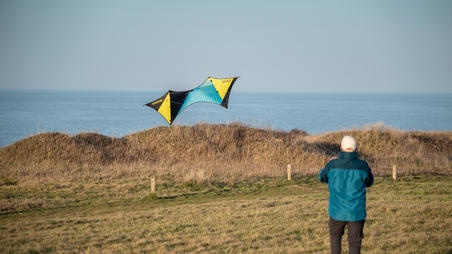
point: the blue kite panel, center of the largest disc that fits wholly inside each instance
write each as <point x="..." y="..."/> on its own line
<point x="204" y="93"/>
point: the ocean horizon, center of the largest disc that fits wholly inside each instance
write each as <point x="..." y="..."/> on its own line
<point x="24" y="113"/>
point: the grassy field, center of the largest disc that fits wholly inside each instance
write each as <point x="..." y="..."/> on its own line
<point x="220" y="189"/>
<point x="262" y="215"/>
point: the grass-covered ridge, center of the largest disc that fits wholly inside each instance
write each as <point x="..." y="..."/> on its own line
<point x="208" y="153"/>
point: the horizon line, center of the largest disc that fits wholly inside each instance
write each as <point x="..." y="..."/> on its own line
<point x="240" y="91"/>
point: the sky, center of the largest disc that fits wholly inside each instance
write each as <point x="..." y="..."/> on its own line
<point x="274" y="46"/>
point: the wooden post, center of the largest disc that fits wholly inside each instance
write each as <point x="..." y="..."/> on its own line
<point x="153" y="184"/>
<point x="394" y="172"/>
<point x="289" y="172"/>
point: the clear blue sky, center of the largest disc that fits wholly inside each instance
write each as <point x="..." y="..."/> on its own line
<point x="305" y="46"/>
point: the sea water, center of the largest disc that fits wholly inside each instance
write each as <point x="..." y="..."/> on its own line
<point x="118" y="113"/>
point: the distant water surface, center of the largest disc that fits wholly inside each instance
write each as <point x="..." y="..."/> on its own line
<point x="113" y="113"/>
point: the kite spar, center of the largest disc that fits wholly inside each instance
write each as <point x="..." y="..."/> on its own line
<point x="213" y="90"/>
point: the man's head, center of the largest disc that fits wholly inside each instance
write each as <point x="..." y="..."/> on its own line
<point x="348" y="144"/>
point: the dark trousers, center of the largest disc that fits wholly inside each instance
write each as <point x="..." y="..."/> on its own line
<point x="355" y="235"/>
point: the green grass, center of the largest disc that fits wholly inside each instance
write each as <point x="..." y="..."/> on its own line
<point x="263" y="215"/>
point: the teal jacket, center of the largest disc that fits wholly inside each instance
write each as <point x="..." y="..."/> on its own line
<point x="347" y="179"/>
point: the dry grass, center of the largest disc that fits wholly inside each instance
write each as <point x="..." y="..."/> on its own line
<point x="220" y="189"/>
<point x="216" y="153"/>
<point x="412" y="215"/>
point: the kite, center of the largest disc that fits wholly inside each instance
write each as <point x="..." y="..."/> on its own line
<point x="213" y="90"/>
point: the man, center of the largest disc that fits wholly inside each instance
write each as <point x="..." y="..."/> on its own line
<point x="347" y="179"/>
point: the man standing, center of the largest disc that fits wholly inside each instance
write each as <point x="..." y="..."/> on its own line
<point x="347" y="179"/>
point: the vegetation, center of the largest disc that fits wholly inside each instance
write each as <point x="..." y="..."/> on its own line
<point x="218" y="153"/>
<point x="269" y="215"/>
<point x="220" y="189"/>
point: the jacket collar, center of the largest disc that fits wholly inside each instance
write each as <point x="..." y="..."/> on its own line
<point x="348" y="156"/>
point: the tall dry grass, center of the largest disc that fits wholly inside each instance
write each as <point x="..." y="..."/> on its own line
<point x="222" y="152"/>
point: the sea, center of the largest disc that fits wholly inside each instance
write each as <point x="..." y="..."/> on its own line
<point x="24" y="113"/>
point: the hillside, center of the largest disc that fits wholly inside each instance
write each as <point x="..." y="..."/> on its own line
<point x="220" y="152"/>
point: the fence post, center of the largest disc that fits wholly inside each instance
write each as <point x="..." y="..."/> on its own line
<point x="153" y="184"/>
<point x="394" y="172"/>
<point x="289" y="172"/>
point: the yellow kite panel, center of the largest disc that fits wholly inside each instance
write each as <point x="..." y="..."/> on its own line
<point x="222" y="85"/>
<point x="165" y="108"/>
